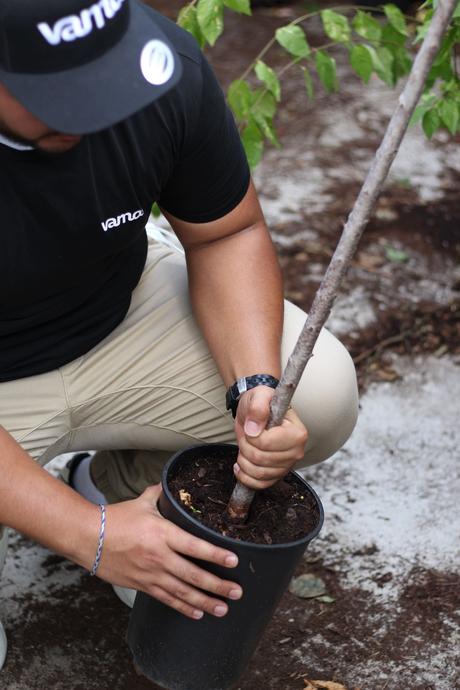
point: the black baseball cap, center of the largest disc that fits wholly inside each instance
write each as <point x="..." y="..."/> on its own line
<point x="83" y="65"/>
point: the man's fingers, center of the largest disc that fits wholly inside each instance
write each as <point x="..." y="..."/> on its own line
<point x="197" y="599"/>
<point x="175" y="603"/>
<point x="188" y="599"/>
<point x="151" y="495"/>
<point x="198" y="577"/>
<point x="187" y="582"/>
<point x="259" y="472"/>
<point x="279" y="438"/>
<point x="188" y="545"/>
<point x="275" y="459"/>
<point x="255" y="484"/>
<point x="253" y="410"/>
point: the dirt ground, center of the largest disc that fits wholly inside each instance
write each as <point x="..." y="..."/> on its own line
<point x="388" y="555"/>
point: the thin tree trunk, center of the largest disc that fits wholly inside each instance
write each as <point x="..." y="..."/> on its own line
<point x="241" y="499"/>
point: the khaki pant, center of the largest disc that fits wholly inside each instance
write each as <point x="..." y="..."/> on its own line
<point x="152" y="385"/>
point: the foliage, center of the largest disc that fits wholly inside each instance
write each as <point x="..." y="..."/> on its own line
<point x="379" y="43"/>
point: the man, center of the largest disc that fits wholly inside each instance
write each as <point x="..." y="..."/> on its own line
<point x="104" y="108"/>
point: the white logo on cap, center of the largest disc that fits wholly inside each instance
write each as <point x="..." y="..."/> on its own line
<point x="157" y="62"/>
<point x="77" y="26"/>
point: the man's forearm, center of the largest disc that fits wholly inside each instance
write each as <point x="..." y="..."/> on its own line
<point x="235" y="287"/>
<point x="42" y="507"/>
<point x="236" y="292"/>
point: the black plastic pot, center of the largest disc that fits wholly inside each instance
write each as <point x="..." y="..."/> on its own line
<point x="178" y="653"/>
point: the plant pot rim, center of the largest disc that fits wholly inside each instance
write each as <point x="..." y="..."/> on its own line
<point x="230" y="541"/>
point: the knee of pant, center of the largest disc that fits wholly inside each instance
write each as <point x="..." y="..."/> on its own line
<point x="327" y="400"/>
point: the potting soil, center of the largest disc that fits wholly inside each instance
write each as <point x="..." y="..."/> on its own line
<point x="283" y="513"/>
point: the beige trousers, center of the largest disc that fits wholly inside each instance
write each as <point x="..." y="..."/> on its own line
<point x="152" y="385"/>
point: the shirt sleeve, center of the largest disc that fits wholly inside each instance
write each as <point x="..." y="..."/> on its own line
<point x="211" y="175"/>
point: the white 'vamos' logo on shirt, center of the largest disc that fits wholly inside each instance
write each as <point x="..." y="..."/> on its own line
<point x="122" y="218"/>
<point x="76" y="26"/>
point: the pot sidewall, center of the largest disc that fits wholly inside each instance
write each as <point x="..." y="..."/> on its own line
<point x="173" y="650"/>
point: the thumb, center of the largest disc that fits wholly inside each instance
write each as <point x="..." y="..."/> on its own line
<point x="151" y="494"/>
<point x="256" y="410"/>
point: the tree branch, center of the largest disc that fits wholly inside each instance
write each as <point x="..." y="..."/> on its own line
<point x="241" y="499"/>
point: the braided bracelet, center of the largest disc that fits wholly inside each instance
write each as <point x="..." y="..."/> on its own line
<point x="97" y="560"/>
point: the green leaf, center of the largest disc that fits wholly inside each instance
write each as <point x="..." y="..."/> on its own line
<point x="266" y="127"/>
<point x="188" y="20"/>
<point x="425" y="104"/>
<point x="396" y="18"/>
<point x="327" y="72"/>
<point x="442" y="71"/>
<point x="210" y="15"/>
<point x="240" y="98"/>
<point x="155" y="210"/>
<point x="382" y="59"/>
<point x="448" y="110"/>
<point x="336" y="26"/>
<point x="402" y="62"/>
<point x="422" y="29"/>
<point x="263" y="109"/>
<point x="456" y="13"/>
<point x="361" y="61"/>
<point x="308" y="83"/>
<point x="264" y="102"/>
<point x="241" y="6"/>
<point x="391" y="37"/>
<point x="431" y="122"/>
<point x="447" y="44"/>
<point x="366" y="26"/>
<point x="252" y="139"/>
<point x="397" y="256"/>
<point x="292" y="38"/>
<point x="269" y="78"/>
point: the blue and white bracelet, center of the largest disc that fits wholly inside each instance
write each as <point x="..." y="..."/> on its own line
<point x="97" y="560"/>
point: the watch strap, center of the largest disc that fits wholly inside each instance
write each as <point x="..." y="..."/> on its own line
<point x="245" y="383"/>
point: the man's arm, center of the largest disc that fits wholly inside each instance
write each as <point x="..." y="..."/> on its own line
<point x="141" y="549"/>
<point x="236" y="291"/>
<point x="42" y="507"/>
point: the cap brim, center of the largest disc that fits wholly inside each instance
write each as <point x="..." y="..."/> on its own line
<point x="100" y="93"/>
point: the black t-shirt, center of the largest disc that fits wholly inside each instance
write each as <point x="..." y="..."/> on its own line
<point x="72" y="234"/>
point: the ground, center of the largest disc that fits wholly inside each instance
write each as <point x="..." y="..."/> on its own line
<point x="388" y="554"/>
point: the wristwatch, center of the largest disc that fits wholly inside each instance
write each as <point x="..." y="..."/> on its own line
<point x="244" y="384"/>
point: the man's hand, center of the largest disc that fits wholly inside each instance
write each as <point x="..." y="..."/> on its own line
<point x="144" y="551"/>
<point x="265" y="456"/>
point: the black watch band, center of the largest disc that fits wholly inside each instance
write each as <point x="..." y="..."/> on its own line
<point x="244" y="384"/>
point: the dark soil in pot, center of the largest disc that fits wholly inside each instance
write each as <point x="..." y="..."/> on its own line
<point x="280" y="514"/>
